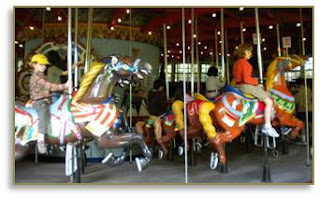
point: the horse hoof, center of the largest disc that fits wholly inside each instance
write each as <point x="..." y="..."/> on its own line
<point x="160" y="156"/>
<point x="107" y="158"/>
<point x="275" y="153"/>
<point x="214" y="160"/>
<point x="198" y="147"/>
<point x="180" y="150"/>
<point x="141" y="164"/>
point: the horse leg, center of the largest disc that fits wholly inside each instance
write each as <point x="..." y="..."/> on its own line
<point x="220" y="139"/>
<point x="125" y="140"/>
<point x="291" y="121"/>
<point x="164" y="140"/>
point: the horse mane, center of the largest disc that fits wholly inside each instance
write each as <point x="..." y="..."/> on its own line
<point x="95" y="69"/>
<point x="272" y="71"/>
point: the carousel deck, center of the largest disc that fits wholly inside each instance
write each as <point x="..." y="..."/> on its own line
<point x="243" y="167"/>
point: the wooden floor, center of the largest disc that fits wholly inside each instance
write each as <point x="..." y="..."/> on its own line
<point x="243" y="167"/>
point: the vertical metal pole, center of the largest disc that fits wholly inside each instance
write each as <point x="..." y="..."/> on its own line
<point x="76" y="69"/>
<point x="192" y="51"/>
<point x="69" y="50"/>
<point x="43" y="21"/>
<point x="259" y="46"/>
<point x="302" y="33"/>
<point x="88" y="50"/>
<point x="266" y="167"/>
<point x="241" y="32"/>
<point x="130" y="88"/>
<point x="227" y="59"/>
<point x="216" y="46"/>
<point x="278" y="40"/>
<point x="222" y="43"/>
<point x="197" y="55"/>
<point x="305" y="92"/>
<point x="166" y="59"/>
<point x="184" y="98"/>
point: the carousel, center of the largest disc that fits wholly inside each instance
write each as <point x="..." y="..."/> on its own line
<point x="140" y="107"/>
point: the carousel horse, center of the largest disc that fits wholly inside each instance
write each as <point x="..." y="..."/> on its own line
<point x="163" y="129"/>
<point x="92" y="113"/>
<point x="234" y="109"/>
<point x="158" y="130"/>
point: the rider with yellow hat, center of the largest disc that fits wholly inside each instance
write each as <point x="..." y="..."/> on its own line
<point x="40" y="96"/>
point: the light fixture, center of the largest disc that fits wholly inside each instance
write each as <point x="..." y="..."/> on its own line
<point x="236" y="47"/>
<point x="188" y="47"/>
<point x="172" y="56"/>
<point x="219" y="54"/>
<point x="218" y="32"/>
<point x="168" y="56"/>
<point x="31" y="28"/>
<point x="199" y="43"/>
<point x="168" y="27"/>
<point x="20" y="45"/>
<point x="59" y="18"/>
<point x="150" y="33"/>
<point x="169" y="51"/>
<point x="220" y="41"/>
<point x="205" y="47"/>
<point x="228" y="55"/>
<point x="111" y="28"/>
<point x="48" y="8"/>
<point x="211" y="53"/>
<point x="177" y="44"/>
<point x="161" y="54"/>
<point x="270" y="27"/>
<point x="214" y="15"/>
<point x="119" y="20"/>
<point x="304" y="39"/>
<point x="263" y="39"/>
<point x="241" y="8"/>
<point x="298" y="24"/>
<point x="189" y="21"/>
<point x="16" y="42"/>
<point x="194" y="36"/>
<point x="180" y="51"/>
<point x="244" y="29"/>
<point x="265" y="48"/>
<point x="201" y="53"/>
<point x="128" y="11"/>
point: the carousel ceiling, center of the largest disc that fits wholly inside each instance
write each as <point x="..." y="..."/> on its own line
<point x="149" y="23"/>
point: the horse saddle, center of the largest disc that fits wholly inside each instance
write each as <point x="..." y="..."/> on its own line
<point x="251" y="106"/>
<point x="238" y="92"/>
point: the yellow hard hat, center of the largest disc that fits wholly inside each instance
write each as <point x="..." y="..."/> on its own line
<point x="39" y="58"/>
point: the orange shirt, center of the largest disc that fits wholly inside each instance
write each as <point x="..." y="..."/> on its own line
<point x="242" y="71"/>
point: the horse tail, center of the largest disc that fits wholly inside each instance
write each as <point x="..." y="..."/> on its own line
<point x="177" y="109"/>
<point x="139" y="127"/>
<point x="205" y="119"/>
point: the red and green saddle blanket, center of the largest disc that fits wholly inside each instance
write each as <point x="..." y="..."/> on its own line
<point x="283" y="101"/>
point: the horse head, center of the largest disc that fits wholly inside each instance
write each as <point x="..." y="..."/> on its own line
<point x="127" y="66"/>
<point x="98" y="83"/>
<point x="278" y="67"/>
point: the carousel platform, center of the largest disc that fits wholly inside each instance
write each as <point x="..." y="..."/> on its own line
<point x="243" y="167"/>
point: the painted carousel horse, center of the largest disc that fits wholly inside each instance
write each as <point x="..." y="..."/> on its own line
<point x="234" y="109"/>
<point x="92" y="113"/>
<point x="164" y="129"/>
<point x="158" y="130"/>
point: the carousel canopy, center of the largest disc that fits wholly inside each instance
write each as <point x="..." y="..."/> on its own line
<point x="146" y="25"/>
